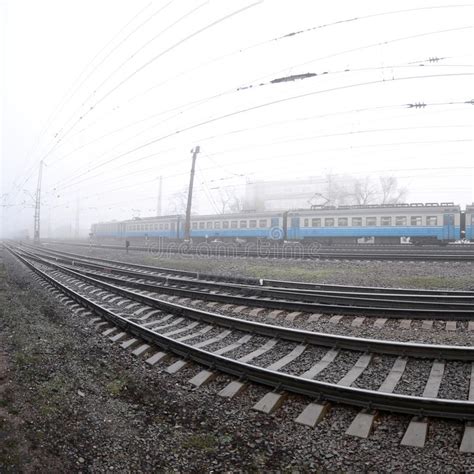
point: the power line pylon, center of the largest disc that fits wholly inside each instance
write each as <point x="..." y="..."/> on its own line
<point x="38" y="205"/>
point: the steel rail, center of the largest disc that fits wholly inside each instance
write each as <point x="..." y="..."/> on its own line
<point x="289" y="252"/>
<point x="276" y="284"/>
<point x="307" y="302"/>
<point x="432" y="351"/>
<point x="435" y="407"/>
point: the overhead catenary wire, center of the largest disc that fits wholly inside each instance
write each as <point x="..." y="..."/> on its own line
<point x="275" y="102"/>
<point x="404" y="38"/>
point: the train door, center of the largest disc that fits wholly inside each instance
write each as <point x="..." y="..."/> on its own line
<point x="448" y="227"/>
<point x="276" y="232"/>
<point x="294" y="228"/>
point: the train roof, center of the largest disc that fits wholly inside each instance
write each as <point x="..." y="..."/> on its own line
<point x="389" y="206"/>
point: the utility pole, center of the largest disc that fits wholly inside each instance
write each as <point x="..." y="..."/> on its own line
<point x="187" y="224"/>
<point x="38" y="206"/>
<point x="160" y="192"/>
<point x="76" y="227"/>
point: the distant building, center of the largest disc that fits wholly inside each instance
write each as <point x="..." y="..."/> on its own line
<point x="284" y="194"/>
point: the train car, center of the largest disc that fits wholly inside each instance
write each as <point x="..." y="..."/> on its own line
<point x="247" y="226"/>
<point x="167" y="227"/>
<point x="469" y="223"/>
<point x="108" y="230"/>
<point x="164" y="227"/>
<point x="421" y="223"/>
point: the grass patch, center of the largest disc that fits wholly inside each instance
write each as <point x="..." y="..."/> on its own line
<point x="116" y="387"/>
<point x="288" y="273"/>
<point x="204" y="442"/>
<point x="426" y="282"/>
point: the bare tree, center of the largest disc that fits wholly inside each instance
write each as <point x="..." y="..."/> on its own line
<point x="334" y="192"/>
<point x="228" y="200"/>
<point x="345" y="189"/>
<point x="364" y="191"/>
<point x="390" y="192"/>
<point x="178" y="201"/>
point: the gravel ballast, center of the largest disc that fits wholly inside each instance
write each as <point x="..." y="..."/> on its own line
<point x="132" y="418"/>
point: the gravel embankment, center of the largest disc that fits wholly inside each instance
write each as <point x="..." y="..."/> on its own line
<point x="78" y="403"/>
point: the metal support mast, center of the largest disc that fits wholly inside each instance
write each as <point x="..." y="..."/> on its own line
<point x="187" y="224"/>
<point x="38" y="205"/>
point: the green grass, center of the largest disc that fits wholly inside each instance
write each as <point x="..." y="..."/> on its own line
<point x="204" y="442"/>
<point x="116" y="387"/>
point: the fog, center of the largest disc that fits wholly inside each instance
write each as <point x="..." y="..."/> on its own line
<point x="111" y="95"/>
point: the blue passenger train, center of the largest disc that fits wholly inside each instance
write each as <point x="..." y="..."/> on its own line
<point x="391" y="223"/>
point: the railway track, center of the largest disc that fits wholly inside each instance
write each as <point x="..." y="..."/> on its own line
<point x="413" y="379"/>
<point x="251" y="281"/>
<point x="444" y="306"/>
<point x="295" y="252"/>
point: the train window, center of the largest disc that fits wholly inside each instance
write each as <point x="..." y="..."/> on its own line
<point x="400" y="220"/>
<point x="342" y="221"/>
<point x="415" y="220"/>
<point x="357" y="221"/>
<point x="217" y="225"/>
<point x="472" y="219"/>
<point x="156" y="226"/>
<point x="161" y="226"/>
<point x="208" y="225"/>
<point x="195" y="225"/>
<point x="431" y="220"/>
<point x="316" y="222"/>
<point x="306" y="223"/>
<point x="385" y="220"/>
<point x="202" y="225"/>
<point x="262" y="223"/>
<point x="243" y="224"/>
<point x="173" y="226"/>
<point x="329" y="222"/>
<point x="225" y="225"/>
<point x="233" y="224"/>
<point x="252" y="223"/>
<point x="167" y="226"/>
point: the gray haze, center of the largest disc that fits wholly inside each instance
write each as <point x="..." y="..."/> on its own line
<point x="113" y="94"/>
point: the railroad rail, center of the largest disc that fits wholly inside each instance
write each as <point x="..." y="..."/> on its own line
<point x="459" y="409"/>
<point x="271" y="375"/>
<point x="293" y="252"/>
<point x="294" y="335"/>
<point x="369" y="304"/>
<point x="262" y="282"/>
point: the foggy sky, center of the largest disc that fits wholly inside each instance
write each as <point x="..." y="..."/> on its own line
<point x="113" y="94"/>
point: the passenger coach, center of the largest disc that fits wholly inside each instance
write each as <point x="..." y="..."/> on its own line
<point x="422" y="223"/>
